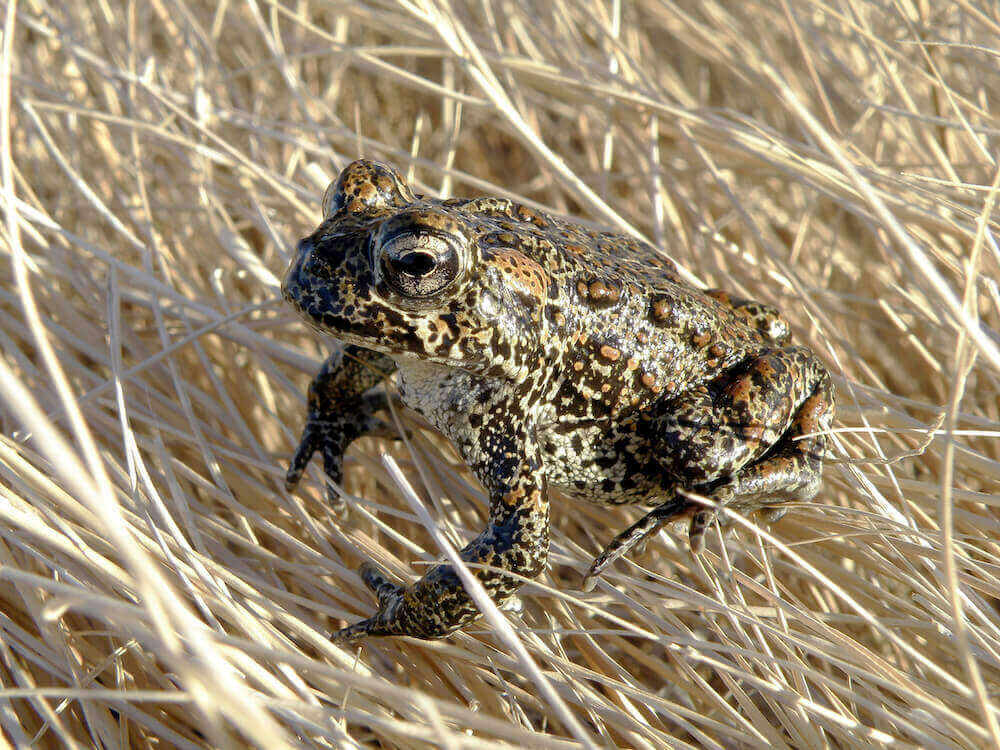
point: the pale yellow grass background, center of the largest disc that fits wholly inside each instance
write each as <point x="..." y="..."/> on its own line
<point x="159" y="588"/>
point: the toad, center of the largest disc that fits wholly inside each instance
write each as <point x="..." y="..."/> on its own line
<point x="552" y="356"/>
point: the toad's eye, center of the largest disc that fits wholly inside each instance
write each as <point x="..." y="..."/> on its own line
<point x="418" y="264"/>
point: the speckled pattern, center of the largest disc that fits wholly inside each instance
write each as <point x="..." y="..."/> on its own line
<point x="551" y="355"/>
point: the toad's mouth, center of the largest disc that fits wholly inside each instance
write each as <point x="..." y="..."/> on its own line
<point x="330" y="296"/>
<point x="325" y="310"/>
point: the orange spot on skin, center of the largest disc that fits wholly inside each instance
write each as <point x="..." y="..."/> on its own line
<point x="610" y="353"/>
<point x="763" y="367"/>
<point x="649" y="380"/>
<point x="537" y="501"/>
<point x="739" y="389"/>
<point x="599" y="291"/>
<point x="529" y="214"/>
<point x="807" y="419"/>
<point x="719" y="295"/>
<point x="578" y="366"/>
<point x="525" y="275"/>
<point x="661" y="309"/>
<point x="512" y="497"/>
<point x="632" y="363"/>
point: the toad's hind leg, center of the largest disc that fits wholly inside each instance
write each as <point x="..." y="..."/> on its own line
<point x="754" y="442"/>
<point x="791" y="470"/>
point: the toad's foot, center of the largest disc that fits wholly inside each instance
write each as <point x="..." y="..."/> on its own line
<point x="330" y="433"/>
<point x="340" y="412"/>
<point x="633" y="536"/>
<point x="438" y="604"/>
<point x="389" y="596"/>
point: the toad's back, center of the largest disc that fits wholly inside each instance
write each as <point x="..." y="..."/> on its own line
<point x="619" y="328"/>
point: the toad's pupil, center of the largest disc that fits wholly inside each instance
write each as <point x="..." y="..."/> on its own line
<point x="413" y="264"/>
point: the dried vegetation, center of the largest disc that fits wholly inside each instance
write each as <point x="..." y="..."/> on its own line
<point x="158" y="587"/>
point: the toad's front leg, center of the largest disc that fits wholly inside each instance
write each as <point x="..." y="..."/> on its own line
<point x="340" y="412"/>
<point x="516" y="541"/>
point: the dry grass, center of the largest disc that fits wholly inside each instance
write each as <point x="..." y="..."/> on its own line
<point x="158" y="587"/>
